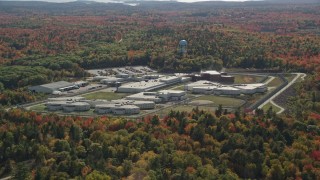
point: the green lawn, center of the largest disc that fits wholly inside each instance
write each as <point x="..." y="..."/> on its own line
<point x="224" y="101"/>
<point x="267" y="106"/>
<point x="241" y="79"/>
<point x="105" y="95"/>
<point x="39" y="107"/>
<point x="187" y="108"/>
<point x="180" y="88"/>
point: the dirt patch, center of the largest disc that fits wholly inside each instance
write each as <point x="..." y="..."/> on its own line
<point x="248" y="79"/>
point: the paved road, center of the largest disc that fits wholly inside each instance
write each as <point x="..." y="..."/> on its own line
<point x="298" y="75"/>
<point x="6" y="178"/>
<point x="281" y="108"/>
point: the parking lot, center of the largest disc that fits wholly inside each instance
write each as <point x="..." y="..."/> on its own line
<point x="132" y="70"/>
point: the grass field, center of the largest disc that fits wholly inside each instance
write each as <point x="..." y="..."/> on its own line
<point x="105" y="95"/>
<point x="39" y="107"/>
<point x="180" y="88"/>
<point x="181" y="108"/>
<point x="224" y="101"/>
<point x="275" y="82"/>
<point x="267" y="106"/>
<point x="289" y="77"/>
<point x="239" y="79"/>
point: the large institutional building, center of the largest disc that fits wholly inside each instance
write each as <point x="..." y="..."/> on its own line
<point x="214" y="76"/>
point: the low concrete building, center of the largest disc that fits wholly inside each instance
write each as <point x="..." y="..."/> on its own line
<point x="125" y="109"/>
<point x="145" y="96"/>
<point x="189" y="87"/>
<point x="75" y="98"/>
<point x="203" y="89"/>
<point x="141" y="86"/>
<point x="157" y="97"/>
<point x="227" y="90"/>
<point x="55" y="105"/>
<point x="149" y="85"/>
<point x="51" y="87"/>
<point x="110" y="80"/>
<point x="94" y="103"/>
<point x="117" y="109"/>
<point x="252" y="88"/>
<point x="140" y="104"/>
<point x="171" y="95"/>
<point x="170" y="79"/>
<point x="68" y="106"/>
<point x="76" y="106"/>
<point x="104" y="108"/>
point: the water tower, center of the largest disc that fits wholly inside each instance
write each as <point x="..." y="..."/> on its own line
<point x="183" y="47"/>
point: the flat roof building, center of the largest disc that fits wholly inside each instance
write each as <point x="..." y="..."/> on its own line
<point x="55" y="105"/>
<point x="67" y="106"/>
<point x="140" y="104"/>
<point x="231" y="89"/>
<point x="76" y="106"/>
<point x="145" y="96"/>
<point x="75" y="98"/>
<point x="171" y="95"/>
<point x="190" y="86"/>
<point x="51" y="87"/>
<point x="140" y="86"/>
<point x="118" y="109"/>
<point x="149" y="85"/>
<point x="109" y="80"/>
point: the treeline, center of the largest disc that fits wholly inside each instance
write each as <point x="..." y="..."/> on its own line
<point x="37" y="48"/>
<point x="183" y="145"/>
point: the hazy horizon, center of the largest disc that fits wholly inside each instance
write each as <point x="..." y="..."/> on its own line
<point x="108" y="1"/>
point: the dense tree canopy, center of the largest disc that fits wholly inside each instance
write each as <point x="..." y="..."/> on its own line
<point x="180" y="146"/>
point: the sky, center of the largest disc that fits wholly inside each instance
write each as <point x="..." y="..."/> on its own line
<point x="61" y="1"/>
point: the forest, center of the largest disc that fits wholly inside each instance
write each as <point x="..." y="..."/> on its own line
<point x="43" y="42"/>
<point x="182" y="145"/>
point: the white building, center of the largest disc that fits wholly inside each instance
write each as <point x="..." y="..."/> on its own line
<point x="125" y="109"/>
<point x="75" y="98"/>
<point x="252" y="88"/>
<point x="118" y="109"/>
<point x="226" y="90"/>
<point x="171" y="95"/>
<point x="111" y="80"/>
<point x="157" y="97"/>
<point x="170" y="79"/>
<point x="145" y="96"/>
<point x="140" y="86"/>
<point x="149" y="85"/>
<point x="203" y="90"/>
<point x="68" y="106"/>
<point x="51" y="87"/>
<point x="189" y="87"/>
<point x="104" y="108"/>
<point x="140" y="104"/>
